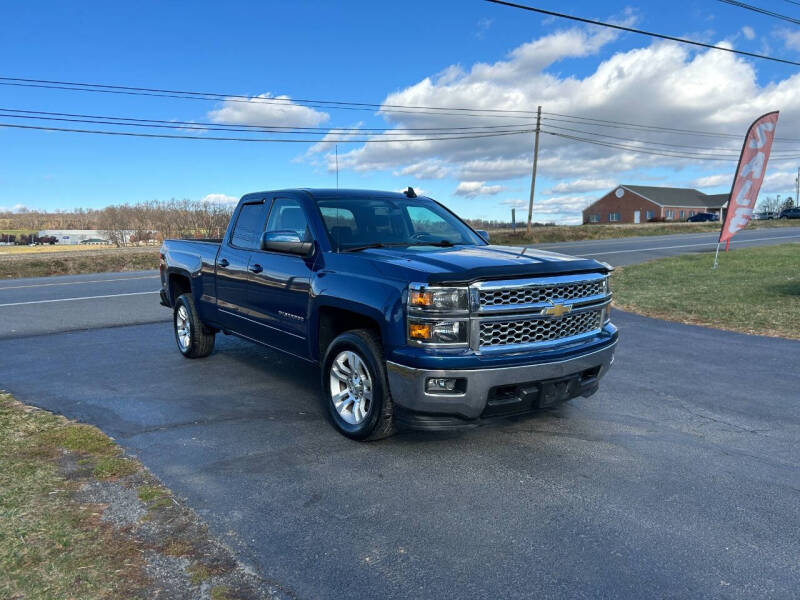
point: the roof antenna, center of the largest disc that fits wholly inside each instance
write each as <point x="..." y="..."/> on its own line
<point x="410" y="193"/>
<point x="337" y="166"/>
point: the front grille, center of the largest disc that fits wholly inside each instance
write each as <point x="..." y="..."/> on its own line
<point x="528" y="331"/>
<point x="541" y="293"/>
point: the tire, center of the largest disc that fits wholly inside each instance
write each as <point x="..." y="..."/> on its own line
<point x="364" y="411"/>
<point x="194" y="339"/>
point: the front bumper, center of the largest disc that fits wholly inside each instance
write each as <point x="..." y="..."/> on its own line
<point x="533" y="383"/>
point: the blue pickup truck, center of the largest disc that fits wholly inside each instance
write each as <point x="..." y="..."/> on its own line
<point x="414" y="318"/>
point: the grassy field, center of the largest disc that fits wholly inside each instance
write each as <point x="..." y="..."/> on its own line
<point x="58" y="481"/>
<point x="51" y="546"/>
<point x="754" y="290"/>
<point x="48" y="249"/>
<point x="570" y="233"/>
<point x="71" y="262"/>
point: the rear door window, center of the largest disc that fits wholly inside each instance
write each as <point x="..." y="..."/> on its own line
<point x="249" y="225"/>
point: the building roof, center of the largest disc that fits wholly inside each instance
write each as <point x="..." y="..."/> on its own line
<point x="668" y="196"/>
<point x="717" y="200"/>
<point x="678" y="197"/>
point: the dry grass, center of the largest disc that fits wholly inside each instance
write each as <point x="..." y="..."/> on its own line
<point x="755" y="290"/>
<point x="77" y="262"/>
<point x="51" y="546"/>
<point x="47" y="249"/>
<point x="571" y="233"/>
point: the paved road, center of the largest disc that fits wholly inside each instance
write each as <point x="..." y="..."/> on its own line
<point x="74" y="302"/>
<point x="627" y="251"/>
<point x="680" y="478"/>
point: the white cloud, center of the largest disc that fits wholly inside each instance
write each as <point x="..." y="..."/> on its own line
<point x="714" y="180"/>
<point x="584" y="184"/>
<point x="426" y="169"/>
<point x="471" y="189"/>
<point x="781" y="182"/>
<point x="748" y="32"/>
<point x="220" y="199"/>
<point x="328" y="142"/>
<point x="515" y="203"/>
<point x="15" y="209"/>
<point x="483" y="26"/>
<point x="268" y="110"/>
<point x="790" y="37"/>
<point x="684" y="88"/>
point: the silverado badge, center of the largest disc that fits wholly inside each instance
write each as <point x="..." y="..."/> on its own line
<point x="557" y="310"/>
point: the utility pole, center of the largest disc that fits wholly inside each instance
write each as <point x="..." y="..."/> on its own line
<point x="514" y="220"/>
<point x="535" y="160"/>
<point x="797" y="188"/>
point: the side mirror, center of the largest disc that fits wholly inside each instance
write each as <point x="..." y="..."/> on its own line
<point x="484" y="234"/>
<point x="286" y="241"/>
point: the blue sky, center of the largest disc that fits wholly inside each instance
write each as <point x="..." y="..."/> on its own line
<point x="433" y="53"/>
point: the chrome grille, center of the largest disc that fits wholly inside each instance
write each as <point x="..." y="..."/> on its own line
<point x="534" y="293"/>
<point x="527" y="331"/>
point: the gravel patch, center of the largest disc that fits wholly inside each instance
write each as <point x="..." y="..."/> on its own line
<point x="124" y="507"/>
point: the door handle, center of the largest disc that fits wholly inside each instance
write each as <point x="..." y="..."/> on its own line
<point x="223" y="262"/>
<point x="255" y="268"/>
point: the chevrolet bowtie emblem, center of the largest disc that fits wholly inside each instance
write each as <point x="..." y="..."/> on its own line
<point x="557" y="310"/>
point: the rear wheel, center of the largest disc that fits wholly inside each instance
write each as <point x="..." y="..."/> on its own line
<point x="194" y="339"/>
<point x="355" y="389"/>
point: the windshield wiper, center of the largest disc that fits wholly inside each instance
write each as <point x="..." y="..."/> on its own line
<point x="365" y="247"/>
<point x="440" y="243"/>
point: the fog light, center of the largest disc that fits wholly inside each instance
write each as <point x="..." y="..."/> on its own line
<point x="440" y="384"/>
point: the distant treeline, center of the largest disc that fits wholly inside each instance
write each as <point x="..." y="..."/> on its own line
<point x="489" y="225"/>
<point x="125" y="224"/>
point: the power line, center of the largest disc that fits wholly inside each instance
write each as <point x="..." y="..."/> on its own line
<point x="284" y="100"/>
<point x="255" y="128"/>
<point x="640" y="150"/>
<point x="650" y="142"/>
<point x="263" y="140"/>
<point x="655" y="128"/>
<point x="238" y="98"/>
<point x="662" y="36"/>
<point x="624" y="125"/>
<point x="762" y="11"/>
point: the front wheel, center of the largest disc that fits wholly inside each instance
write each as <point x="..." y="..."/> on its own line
<point x="355" y="389"/>
<point x="194" y="339"/>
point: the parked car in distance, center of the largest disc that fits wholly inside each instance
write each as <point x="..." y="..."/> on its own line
<point x="413" y="317"/>
<point x="765" y="216"/>
<point x="790" y="213"/>
<point x="703" y="217"/>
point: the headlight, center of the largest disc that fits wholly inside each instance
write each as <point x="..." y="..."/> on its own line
<point x="438" y="332"/>
<point x="439" y="299"/>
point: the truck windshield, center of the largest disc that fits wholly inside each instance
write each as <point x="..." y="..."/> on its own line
<point x="354" y="223"/>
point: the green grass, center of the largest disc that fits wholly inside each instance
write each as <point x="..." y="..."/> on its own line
<point x="51" y="547"/>
<point x="754" y="290"/>
<point x="570" y="233"/>
<point x="113" y="466"/>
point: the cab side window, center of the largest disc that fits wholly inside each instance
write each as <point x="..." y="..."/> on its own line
<point x="288" y="215"/>
<point x="249" y="225"/>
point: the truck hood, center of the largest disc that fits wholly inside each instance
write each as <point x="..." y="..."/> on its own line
<point x="464" y="264"/>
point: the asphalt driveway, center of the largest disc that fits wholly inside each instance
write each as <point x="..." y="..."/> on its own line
<point x="680" y="478"/>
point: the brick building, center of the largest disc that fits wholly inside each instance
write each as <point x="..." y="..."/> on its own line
<point x="640" y="203"/>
